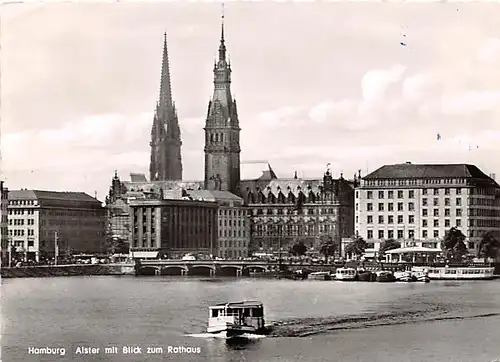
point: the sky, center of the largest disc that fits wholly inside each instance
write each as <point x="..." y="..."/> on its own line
<point x="357" y="85"/>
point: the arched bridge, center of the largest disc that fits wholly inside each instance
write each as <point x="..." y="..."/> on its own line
<point x="210" y="267"/>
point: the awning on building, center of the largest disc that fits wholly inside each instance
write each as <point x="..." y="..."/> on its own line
<point x="144" y="254"/>
<point x="414" y="249"/>
<point x="369" y="255"/>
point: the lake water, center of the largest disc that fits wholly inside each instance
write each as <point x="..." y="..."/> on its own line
<point x="316" y="320"/>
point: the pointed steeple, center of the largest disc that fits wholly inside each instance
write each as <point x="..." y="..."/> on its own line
<point x="166" y="160"/>
<point x="222" y="131"/>
<point x="165" y="99"/>
<point x="222" y="46"/>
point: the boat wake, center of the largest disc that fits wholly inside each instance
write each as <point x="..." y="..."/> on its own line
<point x="311" y="326"/>
<point x="222" y="335"/>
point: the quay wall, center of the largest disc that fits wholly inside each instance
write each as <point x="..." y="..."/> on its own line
<point x="68" y="270"/>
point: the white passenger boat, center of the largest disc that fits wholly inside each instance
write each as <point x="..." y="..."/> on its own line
<point x="348" y="274"/>
<point x="320" y="276"/>
<point x="457" y="273"/>
<point x="236" y="318"/>
<point x="404" y="276"/>
<point x="421" y="276"/>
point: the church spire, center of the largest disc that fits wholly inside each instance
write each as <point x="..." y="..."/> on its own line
<point x="166" y="161"/>
<point x="165" y="99"/>
<point x="222" y="46"/>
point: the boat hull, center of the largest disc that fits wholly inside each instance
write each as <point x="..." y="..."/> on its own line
<point x="367" y="277"/>
<point x="385" y="278"/>
<point x="232" y="330"/>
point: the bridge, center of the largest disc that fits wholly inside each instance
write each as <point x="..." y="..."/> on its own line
<point x="197" y="267"/>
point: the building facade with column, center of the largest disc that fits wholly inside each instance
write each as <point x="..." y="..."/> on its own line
<point x="416" y="204"/>
<point x="233" y="222"/>
<point x="286" y="211"/>
<point x="4" y="222"/>
<point x="172" y="228"/>
<point x="37" y="218"/>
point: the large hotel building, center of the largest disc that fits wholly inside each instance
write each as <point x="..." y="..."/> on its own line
<point x="417" y="204"/>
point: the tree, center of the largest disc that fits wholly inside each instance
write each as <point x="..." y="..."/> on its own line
<point x="453" y="245"/>
<point x="356" y="247"/>
<point x="299" y="249"/>
<point x="116" y="244"/>
<point x="328" y="247"/>
<point x="253" y="246"/>
<point x="489" y="247"/>
<point x="387" y="245"/>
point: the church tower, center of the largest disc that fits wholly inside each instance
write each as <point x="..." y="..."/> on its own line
<point x="166" y="160"/>
<point x="222" y="130"/>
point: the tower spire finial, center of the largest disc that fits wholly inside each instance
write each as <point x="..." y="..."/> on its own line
<point x="222" y="24"/>
<point x="222" y="47"/>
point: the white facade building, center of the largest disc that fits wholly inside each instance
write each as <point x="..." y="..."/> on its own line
<point x="417" y="204"/>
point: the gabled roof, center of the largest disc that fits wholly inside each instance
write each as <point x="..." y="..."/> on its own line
<point x="410" y="171"/>
<point x="257" y="170"/>
<point x="138" y="177"/>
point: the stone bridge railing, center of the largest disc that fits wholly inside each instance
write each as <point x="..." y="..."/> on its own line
<point x="214" y="266"/>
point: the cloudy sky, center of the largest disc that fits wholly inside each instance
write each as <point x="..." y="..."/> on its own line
<point x="355" y="84"/>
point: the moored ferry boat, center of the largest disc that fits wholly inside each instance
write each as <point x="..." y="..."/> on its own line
<point x="347" y="274"/>
<point x="320" y="276"/>
<point x="385" y="276"/>
<point x="404" y="276"/>
<point x="458" y="273"/>
<point x="366" y="276"/>
<point x="421" y="276"/>
<point x="236" y="318"/>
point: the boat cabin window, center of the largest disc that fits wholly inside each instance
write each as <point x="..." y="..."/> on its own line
<point x="257" y="312"/>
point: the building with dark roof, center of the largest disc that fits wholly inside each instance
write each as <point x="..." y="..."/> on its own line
<point x="4" y="239"/>
<point x="38" y="218"/>
<point x="417" y="203"/>
<point x="286" y="211"/>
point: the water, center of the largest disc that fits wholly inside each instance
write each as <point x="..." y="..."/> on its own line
<point x="315" y="320"/>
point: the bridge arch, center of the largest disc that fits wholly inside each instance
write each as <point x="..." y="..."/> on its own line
<point x="174" y="270"/>
<point x="230" y="270"/>
<point x="259" y="268"/>
<point x="149" y="270"/>
<point x="202" y="270"/>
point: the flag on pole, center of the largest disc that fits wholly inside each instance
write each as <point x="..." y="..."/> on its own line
<point x="438" y="137"/>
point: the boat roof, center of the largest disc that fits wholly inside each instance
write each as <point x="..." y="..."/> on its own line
<point x="243" y="304"/>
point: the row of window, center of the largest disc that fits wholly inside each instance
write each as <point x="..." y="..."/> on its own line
<point x="291" y="211"/>
<point x="411" y="193"/>
<point x="411" y="182"/>
<point x="21" y="232"/>
<point x="21" y="222"/>
<point x="21" y="212"/>
<point x="411" y="220"/>
<point x="400" y="234"/>
<point x="235" y="233"/>
<point x="240" y="223"/>
<point x="232" y="212"/>
<point x="23" y="202"/>
<point x="232" y="244"/>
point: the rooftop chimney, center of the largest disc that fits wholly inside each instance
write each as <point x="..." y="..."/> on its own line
<point x="493" y="176"/>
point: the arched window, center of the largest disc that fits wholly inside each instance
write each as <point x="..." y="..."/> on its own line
<point x="222" y="137"/>
<point x="211" y="137"/>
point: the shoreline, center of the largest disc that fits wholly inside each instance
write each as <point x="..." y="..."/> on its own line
<point x="68" y="270"/>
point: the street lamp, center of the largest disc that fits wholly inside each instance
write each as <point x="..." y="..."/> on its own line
<point x="9" y="249"/>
